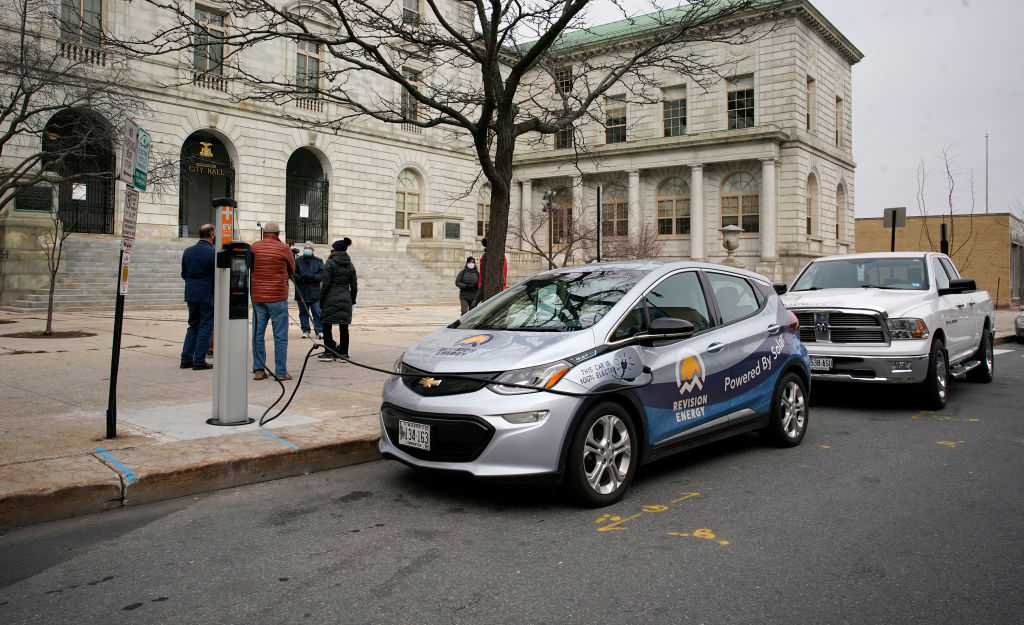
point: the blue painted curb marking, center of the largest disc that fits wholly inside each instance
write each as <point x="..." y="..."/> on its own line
<point x="127" y="472"/>
<point x="280" y="440"/>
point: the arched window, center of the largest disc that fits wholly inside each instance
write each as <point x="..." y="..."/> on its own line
<point x="741" y="198"/>
<point x="674" y="207"/>
<point x="812" y="203"/>
<point x="615" y="211"/>
<point x="840" y="211"/>
<point x="407" y="198"/>
<point x="483" y="211"/>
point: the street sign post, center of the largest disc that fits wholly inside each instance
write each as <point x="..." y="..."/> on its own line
<point x="141" y="167"/>
<point x="129" y="151"/>
<point x="894" y="218"/>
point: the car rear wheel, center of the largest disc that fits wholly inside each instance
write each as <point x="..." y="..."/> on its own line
<point x="789" y="412"/>
<point x="602" y="457"/>
<point x="986" y="370"/>
<point x="935" y="388"/>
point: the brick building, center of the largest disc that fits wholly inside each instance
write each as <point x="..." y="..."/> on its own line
<point x="988" y="248"/>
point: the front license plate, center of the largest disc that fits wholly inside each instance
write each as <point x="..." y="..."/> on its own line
<point x="820" y="363"/>
<point x="414" y="435"/>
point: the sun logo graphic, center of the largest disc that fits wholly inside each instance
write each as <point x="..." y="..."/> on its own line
<point x="689" y="371"/>
<point x="479" y="339"/>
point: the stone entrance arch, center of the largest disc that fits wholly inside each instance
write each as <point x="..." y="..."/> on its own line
<point x="306" y="198"/>
<point x="207" y="173"/>
<point x="78" y="146"/>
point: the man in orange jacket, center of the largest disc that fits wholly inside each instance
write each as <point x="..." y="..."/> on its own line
<point x="273" y="264"/>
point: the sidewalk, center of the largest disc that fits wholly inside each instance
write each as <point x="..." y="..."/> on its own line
<point x="56" y="463"/>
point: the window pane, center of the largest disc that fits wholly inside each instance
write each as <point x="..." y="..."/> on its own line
<point x="735" y="296"/>
<point x="680" y="297"/>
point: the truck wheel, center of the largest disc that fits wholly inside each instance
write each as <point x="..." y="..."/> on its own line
<point x="788" y="422"/>
<point x="935" y="387"/>
<point x="986" y="370"/>
<point x="602" y="457"/>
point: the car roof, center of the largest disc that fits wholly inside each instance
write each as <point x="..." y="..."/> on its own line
<point x="870" y="255"/>
<point x="658" y="266"/>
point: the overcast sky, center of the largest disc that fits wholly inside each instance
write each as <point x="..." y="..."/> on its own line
<point x="937" y="75"/>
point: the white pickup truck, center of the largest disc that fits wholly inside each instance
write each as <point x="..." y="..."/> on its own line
<point x="895" y="318"/>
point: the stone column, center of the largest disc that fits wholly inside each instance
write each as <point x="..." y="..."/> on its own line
<point x="515" y="214"/>
<point x="635" y="216"/>
<point x="698" y="217"/>
<point x="768" y="217"/>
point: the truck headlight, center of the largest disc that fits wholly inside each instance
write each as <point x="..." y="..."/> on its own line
<point x="539" y="377"/>
<point x="1019" y="321"/>
<point x="901" y="329"/>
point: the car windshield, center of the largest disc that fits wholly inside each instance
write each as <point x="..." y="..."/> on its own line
<point x="561" y="302"/>
<point x="852" y="273"/>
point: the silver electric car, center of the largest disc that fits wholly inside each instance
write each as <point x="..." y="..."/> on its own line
<point x="583" y="374"/>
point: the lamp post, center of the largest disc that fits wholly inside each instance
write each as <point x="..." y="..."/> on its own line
<point x="548" y="201"/>
<point x="731" y="241"/>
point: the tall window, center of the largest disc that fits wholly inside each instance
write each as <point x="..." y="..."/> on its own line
<point x="615" y="211"/>
<point x="810" y="103"/>
<point x="483" y="211"/>
<point x="673" y="111"/>
<point x="563" y="138"/>
<point x="812" y="203"/>
<point x="410" y="107"/>
<point x="615" y="120"/>
<point x="839" y="121"/>
<point x="81" y="22"/>
<point x="407" y="198"/>
<point x="674" y="207"/>
<point x="740" y="102"/>
<point x="840" y="210"/>
<point x="209" y="42"/>
<point x="307" y="67"/>
<point x="741" y="198"/>
<point x="561" y="214"/>
<point x="563" y="80"/>
<point x="411" y="11"/>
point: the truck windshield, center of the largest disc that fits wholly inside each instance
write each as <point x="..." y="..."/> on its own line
<point x="561" y="302"/>
<point x="877" y="273"/>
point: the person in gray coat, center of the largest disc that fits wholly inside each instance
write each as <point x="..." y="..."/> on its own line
<point x="337" y="297"/>
<point x="467" y="281"/>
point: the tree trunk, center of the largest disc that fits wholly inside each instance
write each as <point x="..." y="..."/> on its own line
<point x="500" y="177"/>
<point x="49" y="306"/>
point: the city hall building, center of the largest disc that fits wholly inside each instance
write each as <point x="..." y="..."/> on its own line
<point x="766" y="148"/>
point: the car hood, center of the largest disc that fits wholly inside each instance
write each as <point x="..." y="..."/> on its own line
<point x="461" y="351"/>
<point x="894" y="303"/>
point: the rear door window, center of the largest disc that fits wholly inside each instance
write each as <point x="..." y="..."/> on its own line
<point x="735" y="297"/>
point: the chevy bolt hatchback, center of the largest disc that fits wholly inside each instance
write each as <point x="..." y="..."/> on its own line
<point x="583" y="374"/>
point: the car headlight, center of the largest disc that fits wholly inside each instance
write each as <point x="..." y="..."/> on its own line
<point x="539" y="377"/>
<point x="900" y="329"/>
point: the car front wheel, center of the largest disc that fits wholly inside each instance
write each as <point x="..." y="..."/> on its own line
<point x="602" y="457"/>
<point x="935" y="388"/>
<point x="789" y="412"/>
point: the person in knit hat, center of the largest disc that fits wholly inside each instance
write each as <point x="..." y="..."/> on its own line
<point x="468" y="282"/>
<point x="309" y="271"/>
<point x="273" y="264"/>
<point x="337" y="297"/>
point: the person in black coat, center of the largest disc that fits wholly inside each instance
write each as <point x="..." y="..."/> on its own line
<point x="309" y="272"/>
<point x="467" y="282"/>
<point x="337" y="297"/>
<point x="197" y="269"/>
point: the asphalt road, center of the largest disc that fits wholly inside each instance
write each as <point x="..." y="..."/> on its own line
<point x="884" y="514"/>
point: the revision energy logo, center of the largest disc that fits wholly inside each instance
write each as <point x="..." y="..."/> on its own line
<point x="689" y="371"/>
<point x="479" y="339"/>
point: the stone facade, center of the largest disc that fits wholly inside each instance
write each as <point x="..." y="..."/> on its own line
<point x="988" y="248"/>
<point x="244" y="150"/>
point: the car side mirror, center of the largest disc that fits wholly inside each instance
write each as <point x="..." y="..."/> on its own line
<point x="780" y="288"/>
<point x="666" y="329"/>
<point x="959" y="285"/>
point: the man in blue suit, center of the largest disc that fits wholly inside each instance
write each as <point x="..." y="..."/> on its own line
<point x="197" y="269"/>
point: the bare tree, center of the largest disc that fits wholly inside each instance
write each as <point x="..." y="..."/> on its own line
<point x="63" y="106"/>
<point x="961" y="240"/>
<point x="483" y="70"/>
<point x="552" y="232"/>
<point x="644" y="243"/>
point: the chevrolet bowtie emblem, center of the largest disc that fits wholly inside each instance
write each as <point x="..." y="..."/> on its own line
<point x="429" y="382"/>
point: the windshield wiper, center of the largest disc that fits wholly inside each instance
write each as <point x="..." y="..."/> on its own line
<point x="455" y="324"/>
<point x="537" y="328"/>
<point x="810" y="288"/>
<point x="875" y="286"/>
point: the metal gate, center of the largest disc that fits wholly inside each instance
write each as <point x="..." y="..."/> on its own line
<point x="86" y="204"/>
<point x="309" y="192"/>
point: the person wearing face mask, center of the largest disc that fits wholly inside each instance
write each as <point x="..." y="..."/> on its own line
<point x="309" y="272"/>
<point x="467" y="281"/>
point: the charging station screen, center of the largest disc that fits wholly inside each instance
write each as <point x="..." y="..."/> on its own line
<point x="238" y="273"/>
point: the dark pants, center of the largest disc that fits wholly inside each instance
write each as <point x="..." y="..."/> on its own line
<point x="341" y="347"/>
<point x="199" y="333"/>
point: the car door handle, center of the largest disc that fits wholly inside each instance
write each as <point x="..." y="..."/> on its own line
<point x="714" y="348"/>
<point x="959" y="305"/>
<point x="774" y="328"/>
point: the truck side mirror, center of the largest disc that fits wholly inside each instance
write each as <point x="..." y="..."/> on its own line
<point x="959" y="285"/>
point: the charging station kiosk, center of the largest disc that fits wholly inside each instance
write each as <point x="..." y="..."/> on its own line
<point x="230" y="322"/>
